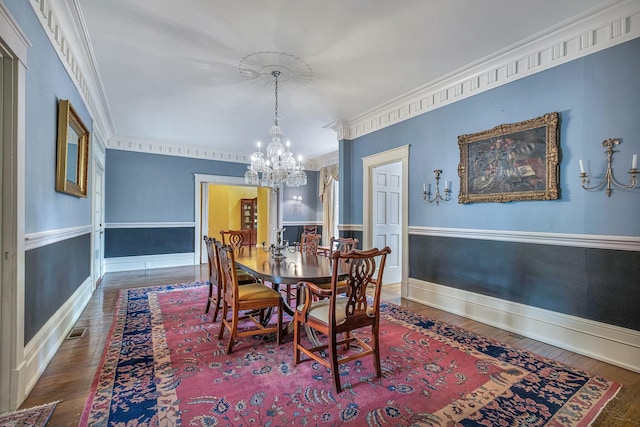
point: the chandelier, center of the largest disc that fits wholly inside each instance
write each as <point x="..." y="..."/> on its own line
<point x="279" y="166"/>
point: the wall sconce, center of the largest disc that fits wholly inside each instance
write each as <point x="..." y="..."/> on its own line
<point x="608" y="177"/>
<point x="437" y="197"/>
<point x="297" y="199"/>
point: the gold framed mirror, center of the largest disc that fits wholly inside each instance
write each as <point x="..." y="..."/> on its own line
<point x="73" y="152"/>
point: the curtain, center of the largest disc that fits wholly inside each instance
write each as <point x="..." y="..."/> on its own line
<point x="328" y="176"/>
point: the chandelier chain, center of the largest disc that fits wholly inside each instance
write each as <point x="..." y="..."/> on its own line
<point x="276" y="74"/>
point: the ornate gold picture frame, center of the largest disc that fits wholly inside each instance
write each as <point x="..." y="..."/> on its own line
<point x="73" y="152"/>
<point x="511" y="162"/>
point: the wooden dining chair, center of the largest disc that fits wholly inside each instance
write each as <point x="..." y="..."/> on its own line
<point x="308" y="247"/>
<point x="342" y="244"/>
<point x="343" y="309"/>
<point x="239" y="240"/>
<point x="309" y="243"/>
<point x="312" y="229"/>
<point x="251" y="299"/>
<point x="236" y="238"/>
<point x="215" y="286"/>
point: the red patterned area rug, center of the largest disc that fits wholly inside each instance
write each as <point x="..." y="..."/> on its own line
<point x="163" y="365"/>
<point x="38" y="416"/>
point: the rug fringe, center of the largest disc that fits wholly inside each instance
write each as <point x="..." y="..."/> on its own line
<point x="19" y="411"/>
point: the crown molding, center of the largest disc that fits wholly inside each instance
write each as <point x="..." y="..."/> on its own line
<point x="174" y="149"/>
<point x="64" y="25"/>
<point x="320" y="162"/>
<point x="198" y="152"/>
<point x="597" y="29"/>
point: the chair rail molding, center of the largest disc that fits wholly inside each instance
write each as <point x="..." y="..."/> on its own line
<point x="44" y="238"/>
<point x="149" y="224"/>
<point x="622" y="243"/>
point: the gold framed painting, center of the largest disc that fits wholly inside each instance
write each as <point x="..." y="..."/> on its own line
<point x="73" y="151"/>
<point x="511" y="162"/>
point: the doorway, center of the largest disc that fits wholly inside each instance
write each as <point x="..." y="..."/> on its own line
<point x="400" y="157"/>
<point x="201" y="210"/>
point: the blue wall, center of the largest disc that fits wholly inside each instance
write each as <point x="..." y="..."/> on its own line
<point x="142" y="187"/>
<point x="48" y="284"/>
<point x="47" y="81"/>
<point x="598" y="97"/>
<point x="148" y="188"/>
<point x="310" y="208"/>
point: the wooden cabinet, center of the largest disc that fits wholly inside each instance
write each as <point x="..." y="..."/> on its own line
<point x="249" y="217"/>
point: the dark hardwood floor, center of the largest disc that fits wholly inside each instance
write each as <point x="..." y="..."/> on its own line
<point x="69" y="376"/>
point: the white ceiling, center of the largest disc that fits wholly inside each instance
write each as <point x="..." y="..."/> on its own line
<point x="170" y="68"/>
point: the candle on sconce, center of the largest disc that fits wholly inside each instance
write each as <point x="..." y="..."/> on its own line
<point x="581" y="167"/>
<point x="424" y="187"/>
<point x="429" y="188"/>
<point x="446" y="185"/>
<point x="634" y="161"/>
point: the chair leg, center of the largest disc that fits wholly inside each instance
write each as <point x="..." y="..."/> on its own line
<point x="288" y="294"/>
<point x="206" y="310"/>
<point x="296" y="339"/>
<point x="233" y="332"/>
<point x="333" y="358"/>
<point x="279" y="335"/>
<point x="215" y="312"/>
<point x="223" y="320"/>
<point x="376" y="350"/>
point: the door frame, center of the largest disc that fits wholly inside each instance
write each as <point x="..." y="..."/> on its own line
<point x="13" y="59"/>
<point x="369" y="163"/>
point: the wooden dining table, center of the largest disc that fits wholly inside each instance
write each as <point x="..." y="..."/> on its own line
<point x="295" y="267"/>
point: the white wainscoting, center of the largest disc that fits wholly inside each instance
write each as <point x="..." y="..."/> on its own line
<point x="611" y="344"/>
<point x="144" y="262"/>
<point x="43" y="346"/>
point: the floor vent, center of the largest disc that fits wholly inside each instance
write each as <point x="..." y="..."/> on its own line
<point x="76" y="333"/>
<point x="514" y="335"/>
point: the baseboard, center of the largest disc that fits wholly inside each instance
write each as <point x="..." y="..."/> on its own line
<point x="145" y="262"/>
<point x="43" y="346"/>
<point x="608" y="343"/>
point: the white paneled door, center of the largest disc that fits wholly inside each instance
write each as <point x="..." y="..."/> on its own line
<point x="98" y="222"/>
<point x="387" y="217"/>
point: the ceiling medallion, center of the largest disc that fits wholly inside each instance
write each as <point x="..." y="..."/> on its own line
<point x="260" y="67"/>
